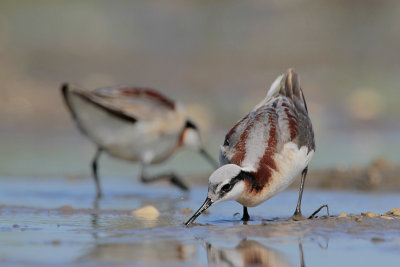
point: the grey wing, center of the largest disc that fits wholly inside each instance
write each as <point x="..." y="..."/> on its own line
<point x="231" y="140"/>
<point x="294" y="123"/>
<point x="161" y="115"/>
<point x="143" y="103"/>
<point x="70" y="92"/>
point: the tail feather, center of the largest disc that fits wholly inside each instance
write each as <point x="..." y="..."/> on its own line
<point x="290" y="87"/>
<point x="65" y="90"/>
<point x="287" y="85"/>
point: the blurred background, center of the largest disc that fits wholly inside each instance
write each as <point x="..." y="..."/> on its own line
<point x="217" y="57"/>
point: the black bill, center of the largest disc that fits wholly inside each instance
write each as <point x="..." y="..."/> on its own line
<point x="203" y="207"/>
<point x="208" y="157"/>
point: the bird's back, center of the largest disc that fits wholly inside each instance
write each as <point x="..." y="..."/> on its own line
<point x="126" y="121"/>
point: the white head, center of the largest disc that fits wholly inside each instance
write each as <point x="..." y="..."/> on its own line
<point x="191" y="136"/>
<point x="225" y="183"/>
<point x="191" y="139"/>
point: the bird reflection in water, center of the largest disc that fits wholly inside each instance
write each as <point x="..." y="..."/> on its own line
<point x="249" y="253"/>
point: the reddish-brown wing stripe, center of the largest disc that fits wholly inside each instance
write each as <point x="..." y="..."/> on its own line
<point x="156" y="96"/>
<point x="267" y="162"/>
<point x="240" y="147"/>
<point x="232" y="131"/>
<point x="292" y="123"/>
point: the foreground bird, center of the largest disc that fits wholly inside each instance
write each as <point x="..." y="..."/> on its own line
<point x="265" y="151"/>
<point x="134" y="124"/>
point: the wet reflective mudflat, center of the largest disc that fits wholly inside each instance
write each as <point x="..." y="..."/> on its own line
<point x="57" y="221"/>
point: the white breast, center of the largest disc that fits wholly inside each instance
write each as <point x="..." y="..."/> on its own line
<point x="290" y="162"/>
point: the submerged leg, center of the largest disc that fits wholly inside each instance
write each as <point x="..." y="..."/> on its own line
<point x="246" y="216"/>
<point x="172" y="177"/>
<point x="302" y="263"/>
<point x="297" y="216"/>
<point x="94" y="169"/>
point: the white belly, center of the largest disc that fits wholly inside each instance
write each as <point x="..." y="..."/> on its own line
<point x="290" y="162"/>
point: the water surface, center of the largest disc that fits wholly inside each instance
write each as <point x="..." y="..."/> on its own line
<point x="49" y="221"/>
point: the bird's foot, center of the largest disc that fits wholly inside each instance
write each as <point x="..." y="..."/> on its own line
<point x="297" y="216"/>
<point x="245" y="218"/>
<point x="318" y="210"/>
<point x="173" y="179"/>
<point x="178" y="182"/>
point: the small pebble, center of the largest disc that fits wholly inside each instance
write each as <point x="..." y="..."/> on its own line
<point x="358" y="219"/>
<point x="147" y="213"/>
<point x="187" y="210"/>
<point x="15" y="226"/>
<point x="67" y="207"/>
<point x="342" y="215"/>
<point x="395" y="211"/>
<point x="371" y="214"/>
<point x="387" y="217"/>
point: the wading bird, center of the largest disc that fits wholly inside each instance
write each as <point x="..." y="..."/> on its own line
<point x="265" y="151"/>
<point x="134" y="124"/>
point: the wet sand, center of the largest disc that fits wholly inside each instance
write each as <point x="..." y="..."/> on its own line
<point x="57" y="221"/>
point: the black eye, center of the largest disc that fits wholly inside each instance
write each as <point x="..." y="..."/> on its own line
<point x="226" y="188"/>
<point x="226" y="141"/>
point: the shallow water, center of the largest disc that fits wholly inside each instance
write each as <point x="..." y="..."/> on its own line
<point x="48" y="221"/>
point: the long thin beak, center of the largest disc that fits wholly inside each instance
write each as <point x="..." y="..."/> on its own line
<point x="207" y="156"/>
<point x="203" y="207"/>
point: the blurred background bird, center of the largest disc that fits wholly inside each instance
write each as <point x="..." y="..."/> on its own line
<point x="133" y="124"/>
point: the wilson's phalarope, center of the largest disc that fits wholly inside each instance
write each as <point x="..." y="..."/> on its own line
<point x="265" y="151"/>
<point x="134" y="124"/>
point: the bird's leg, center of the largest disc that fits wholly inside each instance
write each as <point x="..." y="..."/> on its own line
<point x="246" y="216"/>
<point x="173" y="178"/>
<point x="297" y="216"/>
<point x="94" y="169"/>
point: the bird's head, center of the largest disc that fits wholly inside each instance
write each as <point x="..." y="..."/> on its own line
<point x="225" y="183"/>
<point x="191" y="139"/>
<point x="191" y="136"/>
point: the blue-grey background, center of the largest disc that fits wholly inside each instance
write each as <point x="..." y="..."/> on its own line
<point x="217" y="57"/>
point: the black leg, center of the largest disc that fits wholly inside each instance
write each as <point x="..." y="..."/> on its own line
<point x="318" y="210"/>
<point x="95" y="176"/>
<point x="297" y="214"/>
<point x="173" y="178"/>
<point x="246" y="216"/>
